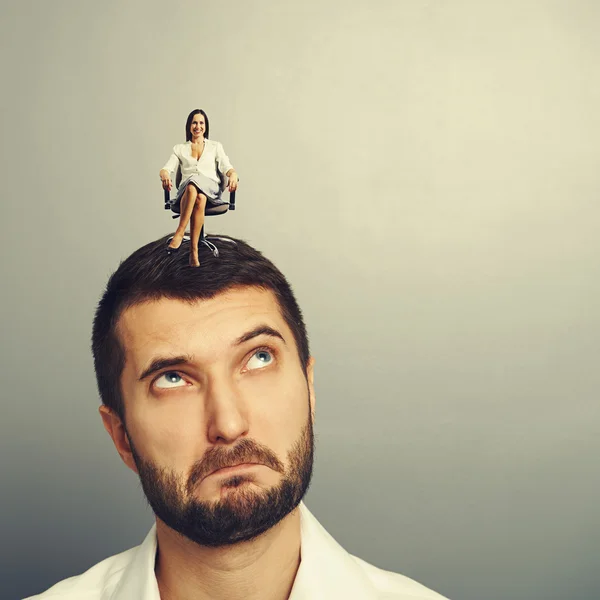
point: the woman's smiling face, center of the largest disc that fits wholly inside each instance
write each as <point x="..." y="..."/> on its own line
<point x="198" y="126"/>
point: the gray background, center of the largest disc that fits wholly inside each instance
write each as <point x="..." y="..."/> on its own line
<point x="425" y="172"/>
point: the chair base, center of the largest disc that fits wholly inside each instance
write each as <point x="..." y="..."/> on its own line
<point x="204" y="239"/>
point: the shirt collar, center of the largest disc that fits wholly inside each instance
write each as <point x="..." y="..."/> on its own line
<point x="138" y="579"/>
<point x="326" y="569"/>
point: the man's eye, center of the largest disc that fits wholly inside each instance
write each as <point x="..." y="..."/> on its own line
<point x="169" y="380"/>
<point x="260" y="359"/>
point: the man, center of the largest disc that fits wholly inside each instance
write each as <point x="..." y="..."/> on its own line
<point x="207" y="393"/>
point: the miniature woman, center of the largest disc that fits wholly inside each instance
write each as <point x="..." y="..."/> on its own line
<point x="204" y="165"/>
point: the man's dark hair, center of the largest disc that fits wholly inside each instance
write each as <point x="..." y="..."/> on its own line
<point x="151" y="274"/>
<point x="188" y="123"/>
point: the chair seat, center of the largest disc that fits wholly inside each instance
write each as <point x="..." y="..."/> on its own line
<point x="216" y="209"/>
<point x="210" y="209"/>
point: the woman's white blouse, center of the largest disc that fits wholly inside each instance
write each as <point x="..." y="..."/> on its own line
<point x="213" y="158"/>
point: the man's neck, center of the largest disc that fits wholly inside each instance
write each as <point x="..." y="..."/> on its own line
<point x="263" y="568"/>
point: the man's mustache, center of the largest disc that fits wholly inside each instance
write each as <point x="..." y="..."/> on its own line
<point x="245" y="451"/>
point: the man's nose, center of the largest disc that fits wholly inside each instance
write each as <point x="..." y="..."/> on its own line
<point x="226" y="412"/>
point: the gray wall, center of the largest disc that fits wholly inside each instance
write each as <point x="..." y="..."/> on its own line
<point x="425" y="172"/>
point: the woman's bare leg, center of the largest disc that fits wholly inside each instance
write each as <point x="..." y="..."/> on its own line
<point x="187" y="206"/>
<point x="196" y="228"/>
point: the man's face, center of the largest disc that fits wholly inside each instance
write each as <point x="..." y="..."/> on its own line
<point x="218" y="413"/>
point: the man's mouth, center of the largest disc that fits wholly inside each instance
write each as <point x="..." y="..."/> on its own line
<point x="232" y="468"/>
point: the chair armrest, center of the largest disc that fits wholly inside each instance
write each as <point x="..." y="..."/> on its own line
<point x="232" y="196"/>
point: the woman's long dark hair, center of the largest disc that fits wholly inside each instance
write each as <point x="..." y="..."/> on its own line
<point x="188" y="124"/>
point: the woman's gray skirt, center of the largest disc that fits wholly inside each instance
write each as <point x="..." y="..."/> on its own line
<point x="203" y="184"/>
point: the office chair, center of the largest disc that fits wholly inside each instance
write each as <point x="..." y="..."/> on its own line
<point x="208" y="211"/>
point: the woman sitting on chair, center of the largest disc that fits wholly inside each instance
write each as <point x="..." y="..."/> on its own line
<point x="203" y="165"/>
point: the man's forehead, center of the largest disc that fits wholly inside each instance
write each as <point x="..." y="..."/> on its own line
<point x="227" y="311"/>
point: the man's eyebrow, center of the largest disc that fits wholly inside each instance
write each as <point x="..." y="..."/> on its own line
<point x="162" y="363"/>
<point x="260" y="330"/>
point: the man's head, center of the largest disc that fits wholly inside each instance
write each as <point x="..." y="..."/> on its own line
<point x="202" y="369"/>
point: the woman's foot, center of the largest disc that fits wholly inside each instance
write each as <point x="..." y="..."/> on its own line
<point x="194" y="262"/>
<point x="175" y="242"/>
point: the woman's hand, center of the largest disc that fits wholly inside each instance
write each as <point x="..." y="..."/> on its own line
<point x="166" y="180"/>
<point x="233" y="182"/>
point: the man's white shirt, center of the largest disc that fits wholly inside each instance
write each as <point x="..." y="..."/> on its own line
<point x="327" y="572"/>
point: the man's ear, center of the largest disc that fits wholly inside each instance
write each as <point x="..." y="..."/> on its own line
<point x="116" y="429"/>
<point x="310" y="376"/>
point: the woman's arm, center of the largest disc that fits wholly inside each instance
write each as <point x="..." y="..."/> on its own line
<point x="165" y="177"/>
<point x="226" y="168"/>
<point x="233" y="180"/>
<point x="165" y="172"/>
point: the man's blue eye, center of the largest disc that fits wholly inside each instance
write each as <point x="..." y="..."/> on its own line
<point x="168" y="380"/>
<point x="260" y="359"/>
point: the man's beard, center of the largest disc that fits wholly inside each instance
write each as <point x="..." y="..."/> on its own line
<point x="242" y="514"/>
